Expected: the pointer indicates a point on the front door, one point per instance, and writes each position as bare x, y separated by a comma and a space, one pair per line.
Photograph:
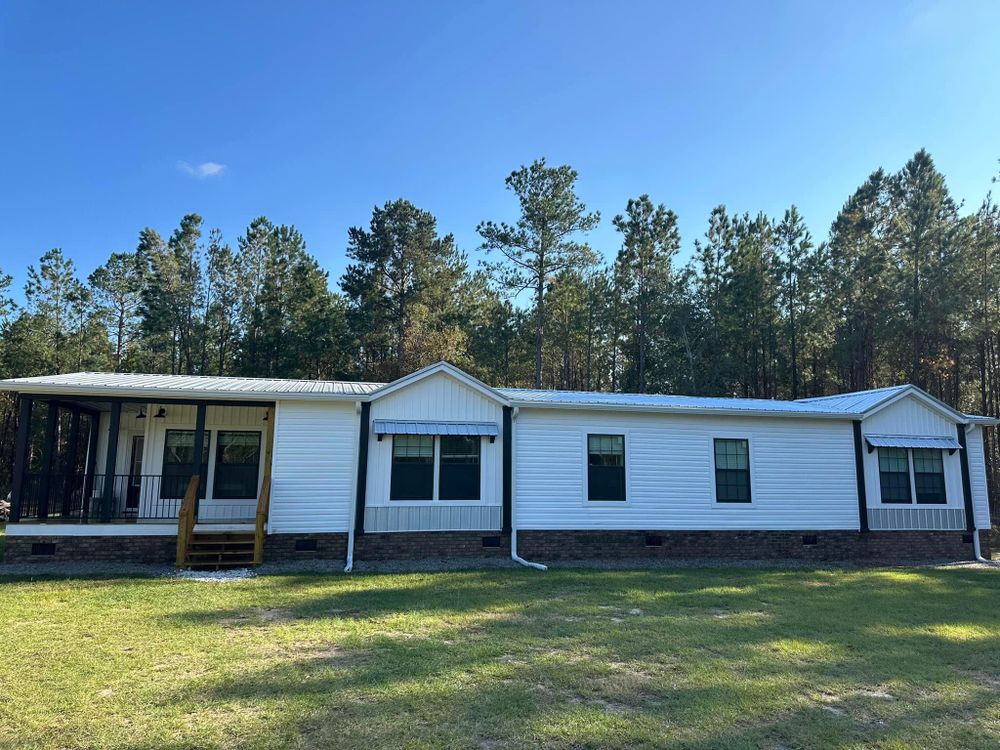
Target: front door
135, 473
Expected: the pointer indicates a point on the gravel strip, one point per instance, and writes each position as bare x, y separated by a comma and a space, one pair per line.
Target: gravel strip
129, 570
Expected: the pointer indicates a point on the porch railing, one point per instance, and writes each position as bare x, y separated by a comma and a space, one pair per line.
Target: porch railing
82, 498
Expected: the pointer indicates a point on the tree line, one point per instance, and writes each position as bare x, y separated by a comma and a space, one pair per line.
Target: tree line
905, 287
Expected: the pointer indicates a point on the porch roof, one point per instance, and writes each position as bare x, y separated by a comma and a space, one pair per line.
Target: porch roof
139, 385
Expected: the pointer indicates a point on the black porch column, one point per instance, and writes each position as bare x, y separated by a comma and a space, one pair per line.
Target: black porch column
69, 482
88, 481
20, 457
199, 448
108, 496
48, 451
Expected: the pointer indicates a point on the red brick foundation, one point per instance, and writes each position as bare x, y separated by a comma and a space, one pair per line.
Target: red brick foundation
286, 547
828, 546
410, 545
873, 547
128, 549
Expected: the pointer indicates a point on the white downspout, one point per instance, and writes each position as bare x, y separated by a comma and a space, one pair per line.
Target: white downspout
513, 502
977, 548
350, 550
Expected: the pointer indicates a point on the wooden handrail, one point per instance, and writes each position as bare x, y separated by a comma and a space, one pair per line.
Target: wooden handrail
186, 519
263, 505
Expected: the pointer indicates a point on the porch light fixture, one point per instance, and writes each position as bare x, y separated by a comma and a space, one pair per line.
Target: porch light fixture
161, 414
141, 414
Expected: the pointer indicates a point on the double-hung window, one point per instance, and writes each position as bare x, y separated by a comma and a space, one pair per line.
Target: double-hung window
179, 465
237, 465
732, 470
412, 468
908, 475
458, 474
606, 467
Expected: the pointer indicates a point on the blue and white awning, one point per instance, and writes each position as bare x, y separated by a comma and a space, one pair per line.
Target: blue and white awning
412, 427
913, 441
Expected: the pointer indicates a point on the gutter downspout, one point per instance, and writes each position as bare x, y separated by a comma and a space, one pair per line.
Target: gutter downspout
350, 550
967, 495
513, 508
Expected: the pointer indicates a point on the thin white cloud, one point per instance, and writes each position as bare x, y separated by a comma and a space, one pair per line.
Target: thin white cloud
201, 171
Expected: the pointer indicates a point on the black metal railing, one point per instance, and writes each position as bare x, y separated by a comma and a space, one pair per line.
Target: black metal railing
81, 498
100, 497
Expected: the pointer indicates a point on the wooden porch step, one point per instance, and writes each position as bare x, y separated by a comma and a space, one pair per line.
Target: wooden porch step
214, 550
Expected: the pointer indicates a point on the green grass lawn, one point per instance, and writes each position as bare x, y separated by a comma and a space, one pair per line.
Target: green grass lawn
692, 658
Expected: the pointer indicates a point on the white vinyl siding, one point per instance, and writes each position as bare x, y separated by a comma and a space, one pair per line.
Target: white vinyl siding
314, 467
908, 416
977, 475
802, 472
438, 398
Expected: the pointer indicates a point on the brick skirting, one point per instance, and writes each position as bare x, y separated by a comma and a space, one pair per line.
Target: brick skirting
429, 545
131, 549
285, 547
826, 546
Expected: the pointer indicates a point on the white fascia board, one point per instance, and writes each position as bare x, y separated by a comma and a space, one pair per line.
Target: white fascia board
645, 409
444, 368
921, 395
92, 529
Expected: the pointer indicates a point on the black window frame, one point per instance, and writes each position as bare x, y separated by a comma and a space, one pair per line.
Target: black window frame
892, 482
173, 482
407, 472
730, 478
607, 480
462, 479
251, 479
927, 494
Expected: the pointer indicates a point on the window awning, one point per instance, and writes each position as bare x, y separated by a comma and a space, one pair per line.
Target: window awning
912, 441
411, 427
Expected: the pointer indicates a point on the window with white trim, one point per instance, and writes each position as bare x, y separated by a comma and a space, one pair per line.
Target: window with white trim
606, 467
732, 470
412, 475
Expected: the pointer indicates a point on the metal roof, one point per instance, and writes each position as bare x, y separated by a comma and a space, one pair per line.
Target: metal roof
179, 386
856, 401
694, 404
912, 441
415, 427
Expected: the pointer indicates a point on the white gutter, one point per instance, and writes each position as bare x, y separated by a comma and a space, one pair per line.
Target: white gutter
513, 502
691, 410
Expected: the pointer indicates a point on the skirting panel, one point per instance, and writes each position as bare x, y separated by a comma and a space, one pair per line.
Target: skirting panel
917, 519
130, 549
873, 547
439, 517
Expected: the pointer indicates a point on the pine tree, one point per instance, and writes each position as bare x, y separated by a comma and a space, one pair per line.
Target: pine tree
117, 288
540, 244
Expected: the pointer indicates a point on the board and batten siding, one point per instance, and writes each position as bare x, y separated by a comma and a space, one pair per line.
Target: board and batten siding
439, 398
313, 467
908, 416
977, 475
802, 472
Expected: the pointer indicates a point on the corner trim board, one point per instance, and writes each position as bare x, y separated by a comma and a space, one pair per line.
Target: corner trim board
859, 468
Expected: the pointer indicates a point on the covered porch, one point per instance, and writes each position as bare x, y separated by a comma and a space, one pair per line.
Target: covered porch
81, 459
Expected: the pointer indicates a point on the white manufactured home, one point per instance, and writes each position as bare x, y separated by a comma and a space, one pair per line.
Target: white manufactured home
225, 471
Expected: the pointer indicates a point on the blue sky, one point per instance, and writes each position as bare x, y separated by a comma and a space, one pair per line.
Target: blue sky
122, 115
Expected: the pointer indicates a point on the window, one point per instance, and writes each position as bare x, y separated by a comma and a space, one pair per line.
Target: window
928, 475
412, 468
894, 466
606, 467
237, 465
178, 463
459, 471
732, 470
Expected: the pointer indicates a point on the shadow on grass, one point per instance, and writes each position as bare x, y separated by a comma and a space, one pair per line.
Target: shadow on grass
688, 658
